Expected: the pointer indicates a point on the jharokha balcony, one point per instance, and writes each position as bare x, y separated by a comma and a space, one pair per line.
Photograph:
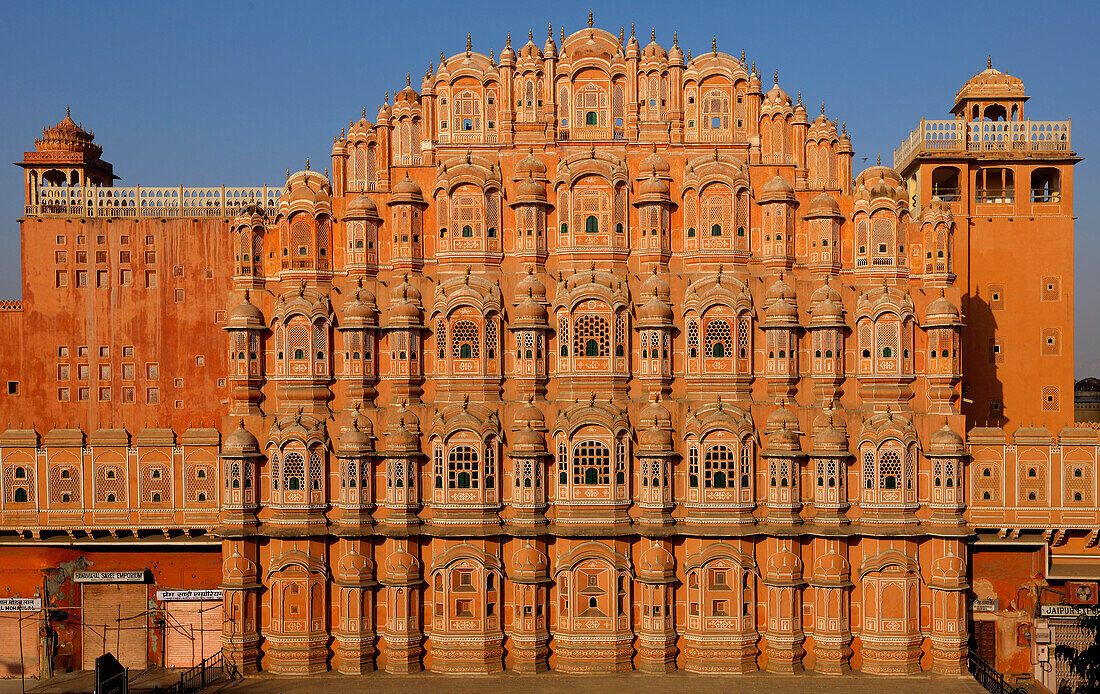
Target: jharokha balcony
960, 136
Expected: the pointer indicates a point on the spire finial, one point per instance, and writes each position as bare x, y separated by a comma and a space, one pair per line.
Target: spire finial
989, 61
509, 41
777, 77
442, 59
742, 57
675, 39
469, 44
799, 97
590, 18
714, 45
652, 34
823, 108
561, 34
632, 30
878, 159
550, 30
621, 35
530, 35
408, 80
689, 56
307, 163
66, 111
288, 174
364, 111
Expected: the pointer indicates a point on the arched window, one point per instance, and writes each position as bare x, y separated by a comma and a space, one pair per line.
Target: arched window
591, 463
719, 464
591, 118
462, 468
717, 338
716, 230
20, 495
293, 471
890, 470
464, 340
591, 225
590, 335
20, 473
467, 231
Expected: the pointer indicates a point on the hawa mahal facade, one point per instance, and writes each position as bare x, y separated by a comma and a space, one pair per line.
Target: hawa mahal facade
590, 356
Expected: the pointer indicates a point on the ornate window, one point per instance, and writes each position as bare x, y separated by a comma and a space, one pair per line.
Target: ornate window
719, 467
463, 468
591, 463
590, 336
718, 339
464, 340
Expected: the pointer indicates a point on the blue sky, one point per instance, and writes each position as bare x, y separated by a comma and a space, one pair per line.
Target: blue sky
234, 93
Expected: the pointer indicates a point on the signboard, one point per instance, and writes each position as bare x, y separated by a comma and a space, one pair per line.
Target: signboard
1067, 611
20, 604
985, 605
174, 595
109, 576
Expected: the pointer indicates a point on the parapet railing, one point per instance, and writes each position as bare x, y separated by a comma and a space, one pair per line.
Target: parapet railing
987, 676
139, 201
1019, 136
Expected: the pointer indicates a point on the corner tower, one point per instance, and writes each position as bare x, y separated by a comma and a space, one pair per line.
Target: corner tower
1008, 182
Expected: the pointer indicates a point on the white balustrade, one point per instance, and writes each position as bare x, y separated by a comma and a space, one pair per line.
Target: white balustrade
1021, 136
139, 201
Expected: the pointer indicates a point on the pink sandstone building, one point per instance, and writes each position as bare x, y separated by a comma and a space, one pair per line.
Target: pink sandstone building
589, 356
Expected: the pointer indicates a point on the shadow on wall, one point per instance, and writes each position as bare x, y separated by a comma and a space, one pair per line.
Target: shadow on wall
983, 353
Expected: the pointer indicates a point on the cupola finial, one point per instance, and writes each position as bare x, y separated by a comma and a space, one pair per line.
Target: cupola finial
590, 19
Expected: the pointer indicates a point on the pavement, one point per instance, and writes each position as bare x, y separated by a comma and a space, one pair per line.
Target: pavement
550, 683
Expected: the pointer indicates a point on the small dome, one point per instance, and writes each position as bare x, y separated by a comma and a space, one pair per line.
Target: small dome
528, 562
240, 443
246, 316
675, 55
527, 439
831, 439
237, 567
823, 205
354, 566
361, 309
530, 165
530, 312
779, 290
783, 440
828, 310
530, 188
401, 440
589, 49
949, 569
653, 187
778, 186
356, 441
777, 97
531, 285
654, 440
402, 567
406, 191
529, 49
942, 312
361, 206
831, 567
781, 311
655, 283
656, 564
531, 415
67, 136
655, 311
784, 565
782, 418
654, 162
653, 50
945, 440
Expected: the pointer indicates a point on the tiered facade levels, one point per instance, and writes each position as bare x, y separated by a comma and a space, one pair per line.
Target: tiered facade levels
591, 358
